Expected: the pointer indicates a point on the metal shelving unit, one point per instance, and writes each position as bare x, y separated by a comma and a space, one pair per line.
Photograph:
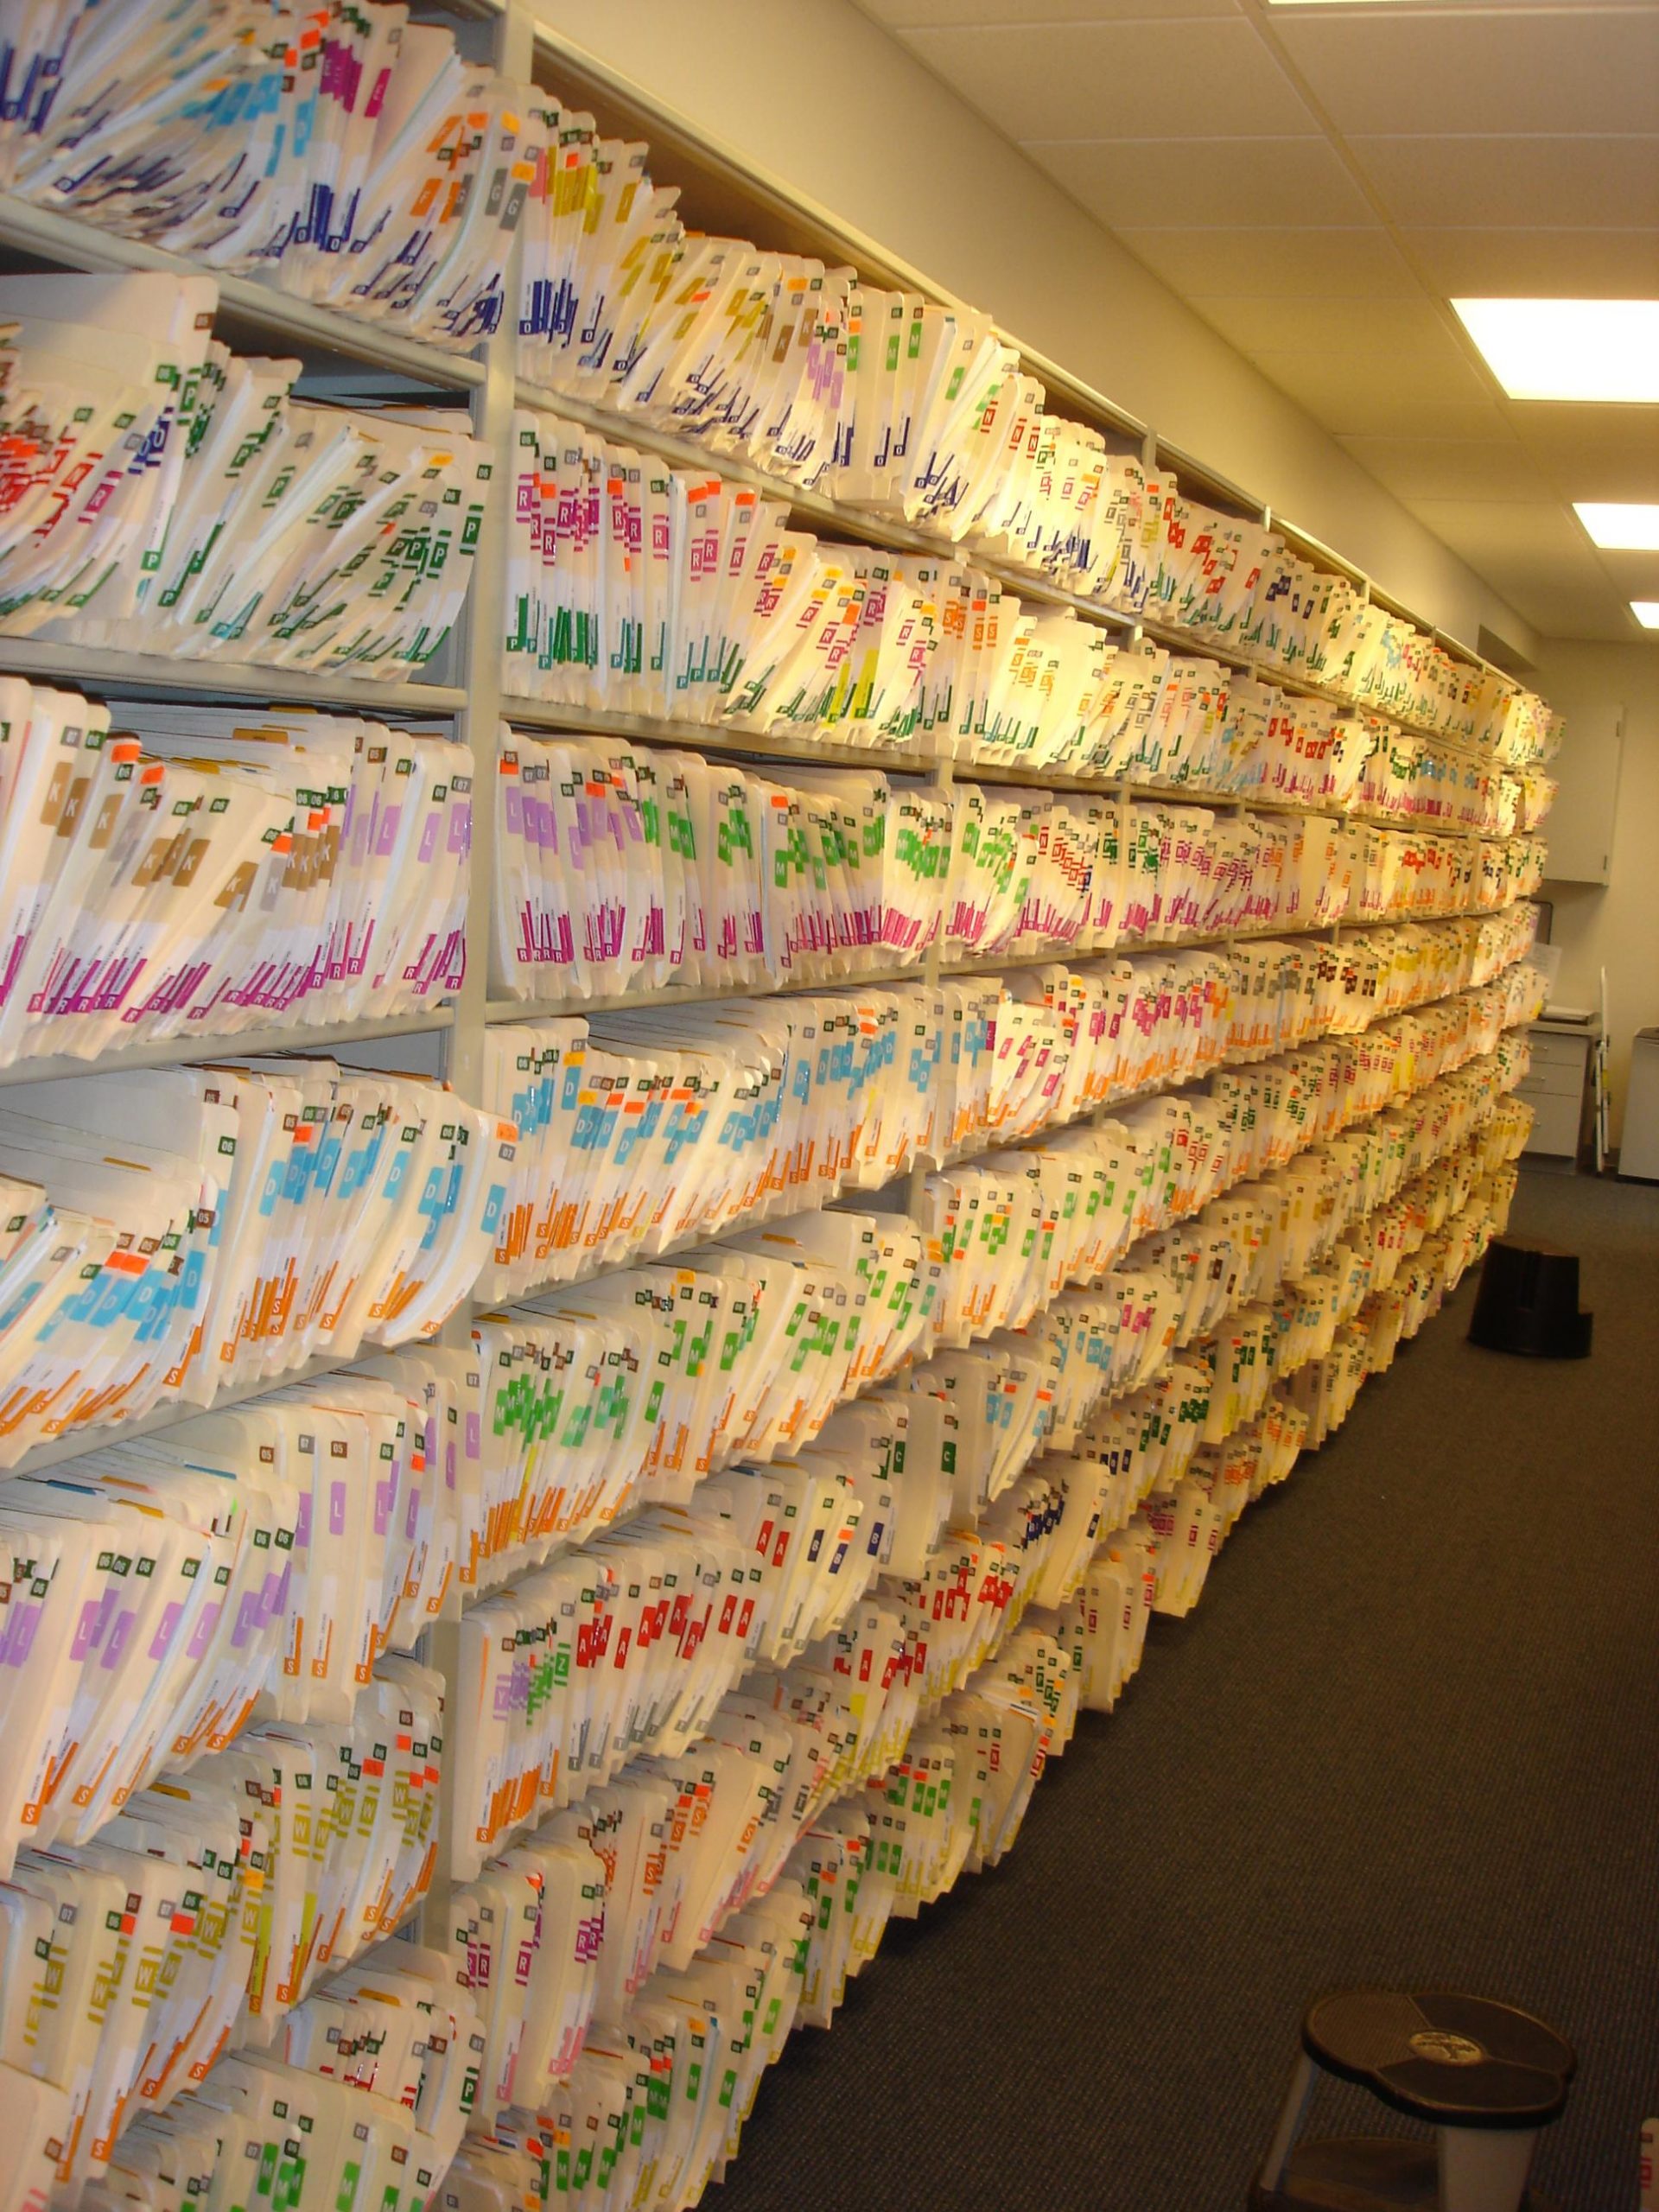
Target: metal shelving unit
473, 702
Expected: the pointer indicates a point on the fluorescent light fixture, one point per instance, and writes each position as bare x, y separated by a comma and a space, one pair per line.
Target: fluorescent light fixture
1646, 612
1620, 526
1568, 349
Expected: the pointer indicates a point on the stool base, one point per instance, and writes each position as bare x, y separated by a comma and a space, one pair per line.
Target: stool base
1364, 2174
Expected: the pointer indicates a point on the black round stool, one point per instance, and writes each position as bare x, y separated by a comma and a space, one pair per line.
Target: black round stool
1485, 2077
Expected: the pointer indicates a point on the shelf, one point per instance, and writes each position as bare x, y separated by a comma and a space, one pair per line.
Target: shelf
536, 715
58, 1449
1195, 941
813, 509
659, 995
560, 1548
685, 1246
1239, 1056
977, 1147
1380, 817
529, 714
1191, 644
1197, 645
551, 717
1058, 779
181, 1051
816, 510
72, 243
127, 675
500, 1010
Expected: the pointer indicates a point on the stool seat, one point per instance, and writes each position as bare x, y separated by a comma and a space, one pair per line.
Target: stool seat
1433, 2054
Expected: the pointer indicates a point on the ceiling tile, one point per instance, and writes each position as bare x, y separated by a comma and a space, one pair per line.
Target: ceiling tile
1394, 416
1592, 453
1118, 80
1535, 556
1547, 264
1349, 264
935, 15
1174, 181
1257, 325
1528, 183
1558, 609
1635, 575
1452, 468
1375, 395
1460, 72
1542, 529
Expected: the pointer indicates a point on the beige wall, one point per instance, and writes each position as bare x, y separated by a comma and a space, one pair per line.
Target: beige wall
816, 93
1615, 927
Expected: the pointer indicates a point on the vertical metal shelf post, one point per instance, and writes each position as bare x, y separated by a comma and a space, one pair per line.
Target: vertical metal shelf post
479, 722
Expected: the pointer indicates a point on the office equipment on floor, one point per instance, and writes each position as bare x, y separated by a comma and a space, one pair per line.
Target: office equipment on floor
1528, 1302
1638, 1152
1562, 1060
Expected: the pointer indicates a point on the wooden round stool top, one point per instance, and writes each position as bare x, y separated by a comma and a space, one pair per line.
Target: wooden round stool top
1436, 2056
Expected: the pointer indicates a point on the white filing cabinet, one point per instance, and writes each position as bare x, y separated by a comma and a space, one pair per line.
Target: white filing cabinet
1639, 1151
1555, 1084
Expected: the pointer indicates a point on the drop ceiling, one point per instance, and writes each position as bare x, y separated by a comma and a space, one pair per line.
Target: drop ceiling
1318, 182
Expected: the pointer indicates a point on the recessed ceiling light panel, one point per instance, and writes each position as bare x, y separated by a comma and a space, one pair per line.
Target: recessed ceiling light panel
1620, 526
1646, 612
1568, 349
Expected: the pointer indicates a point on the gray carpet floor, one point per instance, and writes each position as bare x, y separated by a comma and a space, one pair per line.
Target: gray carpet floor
1410, 1734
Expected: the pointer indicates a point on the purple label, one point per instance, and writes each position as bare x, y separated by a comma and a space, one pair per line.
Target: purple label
163, 1639
202, 1634
118, 1638
107, 1605
20, 1636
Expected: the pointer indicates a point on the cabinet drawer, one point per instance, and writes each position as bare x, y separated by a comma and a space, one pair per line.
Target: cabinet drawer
1551, 1082
1559, 1051
1555, 1129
